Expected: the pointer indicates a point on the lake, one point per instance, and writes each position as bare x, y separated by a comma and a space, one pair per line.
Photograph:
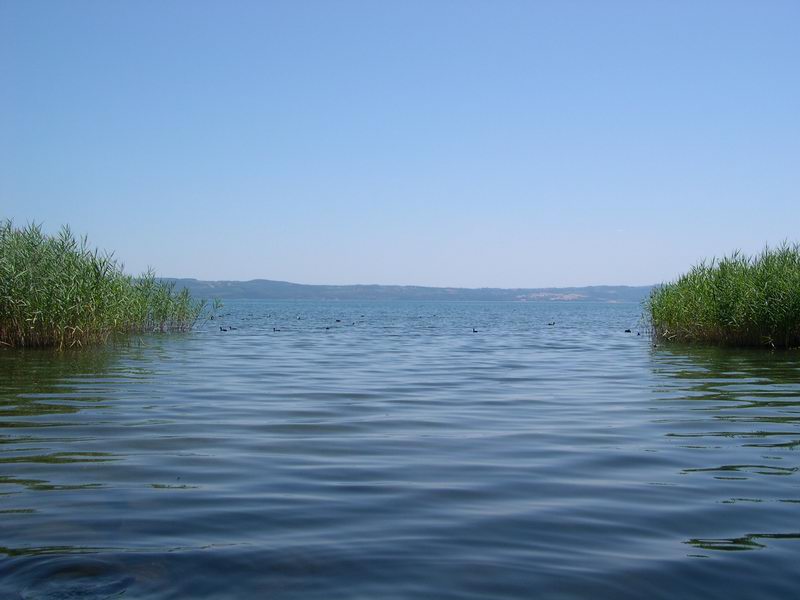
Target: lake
385, 450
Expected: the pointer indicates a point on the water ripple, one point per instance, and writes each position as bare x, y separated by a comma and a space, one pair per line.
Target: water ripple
396, 454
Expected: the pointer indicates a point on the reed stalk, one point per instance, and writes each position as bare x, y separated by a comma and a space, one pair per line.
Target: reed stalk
57, 291
735, 301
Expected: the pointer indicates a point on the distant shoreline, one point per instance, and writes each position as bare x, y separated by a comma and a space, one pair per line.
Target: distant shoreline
264, 289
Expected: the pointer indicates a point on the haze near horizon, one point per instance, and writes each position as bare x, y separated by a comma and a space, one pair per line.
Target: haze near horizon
463, 144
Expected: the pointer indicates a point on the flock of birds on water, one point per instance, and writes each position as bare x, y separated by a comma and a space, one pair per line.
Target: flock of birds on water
227, 328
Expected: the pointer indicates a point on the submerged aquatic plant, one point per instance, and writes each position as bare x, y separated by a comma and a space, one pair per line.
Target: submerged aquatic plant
56, 291
737, 301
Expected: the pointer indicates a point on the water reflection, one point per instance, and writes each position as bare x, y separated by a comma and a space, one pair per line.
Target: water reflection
36, 383
720, 365
751, 541
46, 427
739, 432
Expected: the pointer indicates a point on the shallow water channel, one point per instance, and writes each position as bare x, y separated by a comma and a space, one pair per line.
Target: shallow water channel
384, 450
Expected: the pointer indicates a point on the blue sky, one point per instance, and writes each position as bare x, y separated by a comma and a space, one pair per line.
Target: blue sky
491, 143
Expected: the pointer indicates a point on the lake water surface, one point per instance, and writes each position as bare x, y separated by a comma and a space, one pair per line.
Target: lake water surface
394, 453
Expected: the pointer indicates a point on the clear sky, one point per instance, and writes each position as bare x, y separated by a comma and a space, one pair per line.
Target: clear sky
466, 143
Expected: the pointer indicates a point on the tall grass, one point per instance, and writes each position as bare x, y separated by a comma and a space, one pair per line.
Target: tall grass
737, 301
56, 291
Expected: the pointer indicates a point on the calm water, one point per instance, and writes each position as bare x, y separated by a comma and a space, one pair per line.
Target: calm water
398, 455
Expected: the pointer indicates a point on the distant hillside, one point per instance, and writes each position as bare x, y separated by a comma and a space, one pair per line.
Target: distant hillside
282, 290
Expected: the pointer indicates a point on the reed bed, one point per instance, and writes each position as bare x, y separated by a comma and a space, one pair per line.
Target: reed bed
735, 301
56, 291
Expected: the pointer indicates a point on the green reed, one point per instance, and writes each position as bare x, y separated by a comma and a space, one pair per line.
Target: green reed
56, 291
736, 301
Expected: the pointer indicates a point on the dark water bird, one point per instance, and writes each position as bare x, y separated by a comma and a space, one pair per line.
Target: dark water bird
552, 323
223, 329
298, 317
627, 331
327, 328
275, 329
232, 328
338, 320
474, 330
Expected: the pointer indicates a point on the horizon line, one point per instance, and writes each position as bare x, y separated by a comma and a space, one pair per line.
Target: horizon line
402, 285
